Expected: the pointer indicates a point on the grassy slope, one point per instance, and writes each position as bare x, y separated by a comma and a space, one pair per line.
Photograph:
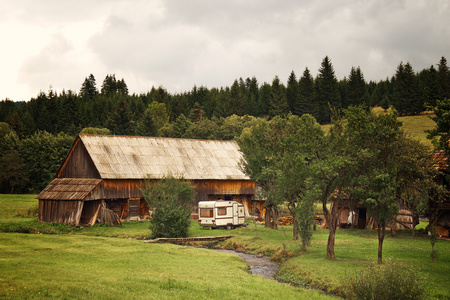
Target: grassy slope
85, 264
414, 126
88, 264
80, 267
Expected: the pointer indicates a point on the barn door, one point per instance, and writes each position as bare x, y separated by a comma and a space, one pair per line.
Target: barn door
133, 209
235, 214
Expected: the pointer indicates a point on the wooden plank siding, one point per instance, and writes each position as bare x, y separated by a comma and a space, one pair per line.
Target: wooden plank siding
78, 163
60, 211
114, 169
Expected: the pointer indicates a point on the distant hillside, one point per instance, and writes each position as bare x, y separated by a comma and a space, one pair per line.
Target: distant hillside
415, 126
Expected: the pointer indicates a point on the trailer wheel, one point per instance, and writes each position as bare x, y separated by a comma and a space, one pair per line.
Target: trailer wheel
228, 227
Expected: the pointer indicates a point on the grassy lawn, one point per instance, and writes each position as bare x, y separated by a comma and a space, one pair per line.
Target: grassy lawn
111, 262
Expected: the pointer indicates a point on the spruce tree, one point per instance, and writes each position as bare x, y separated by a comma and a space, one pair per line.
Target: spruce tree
357, 89
327, 92
444, 79
292, 95
278, 105
406, 98
307, 98
89, 88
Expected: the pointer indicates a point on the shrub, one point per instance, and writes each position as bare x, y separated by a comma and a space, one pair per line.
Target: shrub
390, 280
170, 198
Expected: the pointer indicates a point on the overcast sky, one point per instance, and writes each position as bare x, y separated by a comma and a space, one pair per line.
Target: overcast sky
181, 43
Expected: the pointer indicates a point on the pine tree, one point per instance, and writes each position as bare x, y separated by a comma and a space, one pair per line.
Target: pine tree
406, 98
89, 88
357, 88
278, 105
307, 98
251, 103
264, 99
292, 94
327, 92
236, 100
444, 79
109, 85
120, 121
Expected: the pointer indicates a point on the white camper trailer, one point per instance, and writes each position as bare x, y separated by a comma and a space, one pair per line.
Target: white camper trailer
220, 213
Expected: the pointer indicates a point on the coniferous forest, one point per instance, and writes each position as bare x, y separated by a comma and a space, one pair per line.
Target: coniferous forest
35, 135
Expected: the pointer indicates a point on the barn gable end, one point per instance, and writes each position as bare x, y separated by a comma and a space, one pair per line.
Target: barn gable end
78, 163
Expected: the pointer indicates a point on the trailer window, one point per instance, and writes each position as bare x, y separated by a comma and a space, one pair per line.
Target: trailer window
221, 211
206, 212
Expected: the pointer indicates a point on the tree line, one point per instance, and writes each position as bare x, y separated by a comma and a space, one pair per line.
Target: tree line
114, 108
52, 120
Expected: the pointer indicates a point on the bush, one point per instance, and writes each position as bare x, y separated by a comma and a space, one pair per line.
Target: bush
390, 280
170, 198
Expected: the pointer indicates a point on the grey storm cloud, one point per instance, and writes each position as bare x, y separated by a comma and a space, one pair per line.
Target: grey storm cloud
178, 44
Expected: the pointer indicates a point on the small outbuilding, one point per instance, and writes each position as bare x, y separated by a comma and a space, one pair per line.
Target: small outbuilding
102, 176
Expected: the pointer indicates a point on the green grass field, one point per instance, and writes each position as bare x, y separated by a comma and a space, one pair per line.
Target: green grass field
113, 262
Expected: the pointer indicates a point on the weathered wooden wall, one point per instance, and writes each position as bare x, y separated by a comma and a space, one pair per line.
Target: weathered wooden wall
78, 164
57, 211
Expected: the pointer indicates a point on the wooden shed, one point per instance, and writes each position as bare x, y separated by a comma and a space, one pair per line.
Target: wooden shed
354, 215
103, 174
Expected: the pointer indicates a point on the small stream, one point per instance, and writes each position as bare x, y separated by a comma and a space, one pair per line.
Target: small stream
261, 266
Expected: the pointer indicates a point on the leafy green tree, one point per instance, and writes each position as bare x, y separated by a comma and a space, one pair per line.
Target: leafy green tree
441, 134
13, 172
392, 168
327, 93
43, 154
5, 129
167, 130
332, 174
181, 125
170, 199
93, 130
258, 146
205, 129
159, 114
297, 139
276, 156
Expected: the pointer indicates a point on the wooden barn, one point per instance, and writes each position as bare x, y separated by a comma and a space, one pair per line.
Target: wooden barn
101, 177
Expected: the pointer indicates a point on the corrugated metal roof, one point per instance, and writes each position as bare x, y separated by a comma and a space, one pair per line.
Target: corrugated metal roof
133, 157
68, 189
